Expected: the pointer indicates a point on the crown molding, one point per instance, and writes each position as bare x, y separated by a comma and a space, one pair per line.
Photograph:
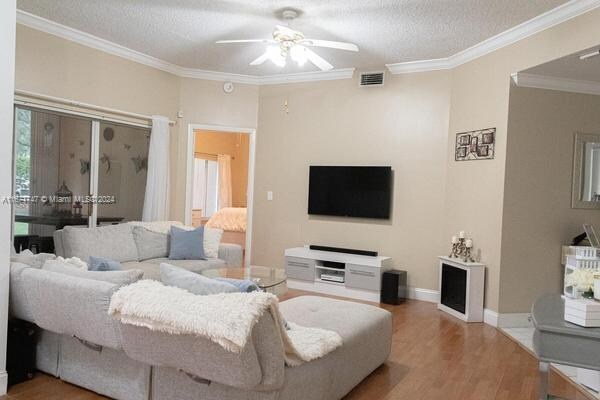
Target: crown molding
528, 28
553, 17
216, 76
77, 36
344, 73
408, 67
553, 83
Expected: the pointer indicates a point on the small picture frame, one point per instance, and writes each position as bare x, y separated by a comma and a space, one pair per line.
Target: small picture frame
464, 140
475, 145
461, 152
482, 151
487, 138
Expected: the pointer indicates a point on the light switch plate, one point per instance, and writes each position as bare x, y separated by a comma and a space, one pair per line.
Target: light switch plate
269, 195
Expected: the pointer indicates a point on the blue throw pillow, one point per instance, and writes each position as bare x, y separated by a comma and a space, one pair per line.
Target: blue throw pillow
187, 245
103, 264
194, 283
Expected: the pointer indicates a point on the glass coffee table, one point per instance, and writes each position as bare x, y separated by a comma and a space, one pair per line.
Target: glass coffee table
268, 279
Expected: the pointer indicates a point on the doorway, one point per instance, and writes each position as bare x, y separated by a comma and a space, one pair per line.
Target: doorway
220, 182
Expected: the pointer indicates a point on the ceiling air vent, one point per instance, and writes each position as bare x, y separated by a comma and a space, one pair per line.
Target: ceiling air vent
371, 79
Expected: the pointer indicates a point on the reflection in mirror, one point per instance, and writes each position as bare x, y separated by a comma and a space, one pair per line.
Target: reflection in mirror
591, 172
586, 171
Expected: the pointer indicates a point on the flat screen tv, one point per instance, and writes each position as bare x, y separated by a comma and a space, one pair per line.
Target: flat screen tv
362, 192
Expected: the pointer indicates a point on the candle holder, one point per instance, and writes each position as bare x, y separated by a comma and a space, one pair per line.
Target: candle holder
454, 251
467, 255
462, 248
458, 248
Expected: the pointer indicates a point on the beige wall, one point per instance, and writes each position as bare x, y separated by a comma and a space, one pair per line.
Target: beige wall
537, 196
237, 146
205, 102
402, 124
54, 66
480, 96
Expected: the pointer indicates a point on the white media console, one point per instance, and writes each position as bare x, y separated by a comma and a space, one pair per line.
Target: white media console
333, 273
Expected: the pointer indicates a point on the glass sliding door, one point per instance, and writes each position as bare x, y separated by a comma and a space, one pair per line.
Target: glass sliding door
52, 160
74, 171
122, 169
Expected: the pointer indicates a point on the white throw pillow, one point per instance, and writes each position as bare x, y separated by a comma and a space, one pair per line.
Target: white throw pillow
212, 241
31, 259
74, 261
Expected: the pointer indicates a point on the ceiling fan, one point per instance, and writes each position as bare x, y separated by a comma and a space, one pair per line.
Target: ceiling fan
287, 41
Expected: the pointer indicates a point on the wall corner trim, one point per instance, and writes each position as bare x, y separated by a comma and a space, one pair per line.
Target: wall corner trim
522, 79
490, 317
528, 28
3, 382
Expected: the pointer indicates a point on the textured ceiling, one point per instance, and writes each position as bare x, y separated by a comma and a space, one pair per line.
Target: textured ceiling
571, 67
183, 32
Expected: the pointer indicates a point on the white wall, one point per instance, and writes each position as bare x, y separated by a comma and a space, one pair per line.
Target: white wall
7, 81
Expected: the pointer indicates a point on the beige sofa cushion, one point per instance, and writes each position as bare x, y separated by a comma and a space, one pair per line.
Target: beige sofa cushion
151, 269
113, 241
367, 334
150, 244
73, 306
19, 306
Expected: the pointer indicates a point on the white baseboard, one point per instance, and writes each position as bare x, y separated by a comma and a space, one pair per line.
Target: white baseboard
506, 320
514, 320
490, 317
3, 382
432, 296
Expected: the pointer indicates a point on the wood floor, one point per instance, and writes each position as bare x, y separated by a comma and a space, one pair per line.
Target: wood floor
434, 357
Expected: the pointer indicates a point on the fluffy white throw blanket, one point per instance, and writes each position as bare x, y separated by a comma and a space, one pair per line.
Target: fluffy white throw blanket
226, 319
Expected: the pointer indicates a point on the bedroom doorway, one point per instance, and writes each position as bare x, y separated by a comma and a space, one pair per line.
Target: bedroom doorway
220, 180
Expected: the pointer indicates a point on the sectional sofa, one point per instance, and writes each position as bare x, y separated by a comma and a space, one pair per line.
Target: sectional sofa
136, 248
81, 344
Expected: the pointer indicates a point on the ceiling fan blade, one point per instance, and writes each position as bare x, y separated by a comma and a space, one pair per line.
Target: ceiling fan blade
318, 60
245, 41
261, 59
330, 44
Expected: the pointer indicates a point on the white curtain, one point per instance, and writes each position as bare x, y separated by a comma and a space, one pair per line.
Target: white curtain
224, 162
156, 201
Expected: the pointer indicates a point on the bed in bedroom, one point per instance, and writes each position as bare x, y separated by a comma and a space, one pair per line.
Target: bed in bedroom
232, 220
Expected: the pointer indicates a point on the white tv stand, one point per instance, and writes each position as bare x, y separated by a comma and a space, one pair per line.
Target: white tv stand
361, 274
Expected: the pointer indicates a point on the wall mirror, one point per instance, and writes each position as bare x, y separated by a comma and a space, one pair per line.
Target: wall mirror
586, 171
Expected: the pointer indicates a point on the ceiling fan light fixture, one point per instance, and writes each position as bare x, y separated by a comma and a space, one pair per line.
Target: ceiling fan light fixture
298, 54
274, 54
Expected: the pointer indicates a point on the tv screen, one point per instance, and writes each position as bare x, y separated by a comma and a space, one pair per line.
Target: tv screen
363, 192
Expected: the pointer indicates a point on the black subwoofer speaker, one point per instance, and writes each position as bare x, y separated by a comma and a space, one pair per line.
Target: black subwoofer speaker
393, 287
21, 352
